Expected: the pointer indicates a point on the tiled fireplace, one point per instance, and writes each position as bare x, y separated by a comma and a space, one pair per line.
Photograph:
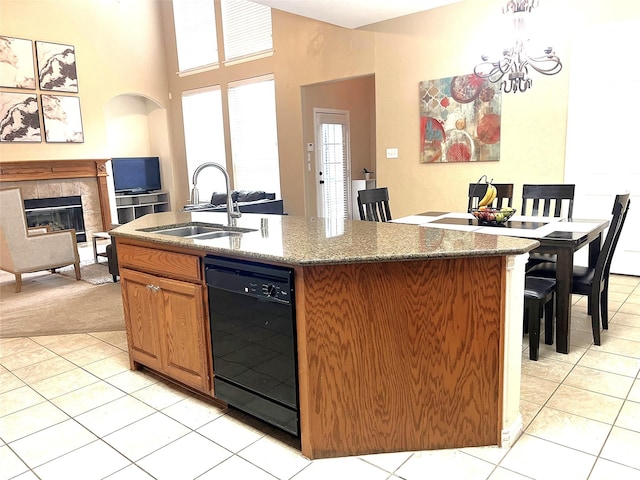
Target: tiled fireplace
46, 179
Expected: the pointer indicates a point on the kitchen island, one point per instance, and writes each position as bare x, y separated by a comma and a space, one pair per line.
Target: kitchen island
407, 338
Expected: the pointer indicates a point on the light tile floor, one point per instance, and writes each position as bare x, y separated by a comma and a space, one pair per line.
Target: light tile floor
70, 408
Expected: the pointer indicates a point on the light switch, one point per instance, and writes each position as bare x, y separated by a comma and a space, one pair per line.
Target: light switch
392, 153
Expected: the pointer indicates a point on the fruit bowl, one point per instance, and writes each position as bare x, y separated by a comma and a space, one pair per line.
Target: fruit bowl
492, 216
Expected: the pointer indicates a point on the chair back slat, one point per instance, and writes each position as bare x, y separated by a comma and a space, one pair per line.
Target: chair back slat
603, 264
373, 205
542, 197
504, 198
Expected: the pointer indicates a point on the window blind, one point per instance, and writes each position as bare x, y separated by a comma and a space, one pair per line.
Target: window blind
204, 138
254, 135
246, 28
335, 171
195, 25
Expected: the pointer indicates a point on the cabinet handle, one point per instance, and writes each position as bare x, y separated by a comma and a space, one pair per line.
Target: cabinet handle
153, 288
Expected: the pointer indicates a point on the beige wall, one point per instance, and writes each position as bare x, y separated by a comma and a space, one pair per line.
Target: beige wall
305, 52
447, 42
309, 52
119, 51
444, 42
357, 96
125, 47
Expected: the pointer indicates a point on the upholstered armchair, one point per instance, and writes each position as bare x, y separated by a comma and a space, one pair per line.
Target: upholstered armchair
25, 250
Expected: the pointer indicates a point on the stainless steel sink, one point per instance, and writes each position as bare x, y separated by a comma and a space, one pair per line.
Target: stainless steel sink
187, 231
200, 231
205, 236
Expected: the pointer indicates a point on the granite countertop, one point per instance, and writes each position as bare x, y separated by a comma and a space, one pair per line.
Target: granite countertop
297, 240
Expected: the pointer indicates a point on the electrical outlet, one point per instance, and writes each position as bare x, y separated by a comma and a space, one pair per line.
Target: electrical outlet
392, 153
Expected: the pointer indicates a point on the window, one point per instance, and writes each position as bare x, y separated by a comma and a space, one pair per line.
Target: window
195, 24
248, 125
246, 28
332, 139
204, 138
254, 140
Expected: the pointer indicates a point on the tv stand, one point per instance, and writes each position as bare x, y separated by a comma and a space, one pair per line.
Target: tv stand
132, 205
138, 192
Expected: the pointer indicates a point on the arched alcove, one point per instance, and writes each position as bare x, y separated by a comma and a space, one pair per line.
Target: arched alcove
137, 126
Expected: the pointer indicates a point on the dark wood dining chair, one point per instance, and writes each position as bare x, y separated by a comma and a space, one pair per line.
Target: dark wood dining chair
594, 281
549, 200
504, 198
539, 294
538, 199
373, 204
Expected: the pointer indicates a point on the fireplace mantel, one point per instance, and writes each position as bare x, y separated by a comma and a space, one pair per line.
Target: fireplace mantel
60, 169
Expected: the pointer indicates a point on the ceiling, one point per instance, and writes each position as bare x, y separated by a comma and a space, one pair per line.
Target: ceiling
354, 13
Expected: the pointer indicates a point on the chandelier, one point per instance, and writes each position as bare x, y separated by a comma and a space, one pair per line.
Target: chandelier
516, 61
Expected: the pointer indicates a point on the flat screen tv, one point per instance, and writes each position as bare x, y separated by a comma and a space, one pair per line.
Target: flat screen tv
136, 174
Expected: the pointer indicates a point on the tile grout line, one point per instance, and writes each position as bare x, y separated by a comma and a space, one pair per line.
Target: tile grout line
495, 465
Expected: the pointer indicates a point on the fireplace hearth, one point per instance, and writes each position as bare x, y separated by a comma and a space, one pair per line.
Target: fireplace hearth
59, 213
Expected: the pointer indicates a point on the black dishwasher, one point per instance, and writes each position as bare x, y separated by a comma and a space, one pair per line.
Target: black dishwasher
253, 338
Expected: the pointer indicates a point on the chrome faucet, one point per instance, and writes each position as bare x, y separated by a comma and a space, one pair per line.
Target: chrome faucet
232, 213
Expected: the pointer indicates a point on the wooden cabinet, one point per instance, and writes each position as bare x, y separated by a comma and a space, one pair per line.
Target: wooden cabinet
165, 318
419, 369
141, 317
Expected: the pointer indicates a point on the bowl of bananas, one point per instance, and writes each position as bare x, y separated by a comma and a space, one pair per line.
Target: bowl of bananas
490, 216
485, 213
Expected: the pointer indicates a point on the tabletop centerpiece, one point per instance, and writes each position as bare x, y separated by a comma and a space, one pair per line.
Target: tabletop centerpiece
485, 212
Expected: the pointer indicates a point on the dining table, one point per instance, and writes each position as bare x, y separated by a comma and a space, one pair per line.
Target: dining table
561, 237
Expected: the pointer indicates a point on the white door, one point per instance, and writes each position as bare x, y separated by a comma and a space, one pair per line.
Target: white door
602, 156
333, 175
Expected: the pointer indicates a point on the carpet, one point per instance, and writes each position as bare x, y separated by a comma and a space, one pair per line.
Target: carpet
57, 304
93, 273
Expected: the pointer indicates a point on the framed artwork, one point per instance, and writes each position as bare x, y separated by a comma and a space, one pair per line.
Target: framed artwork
19, 118
460, 120
57, 67
62, 119
17, 69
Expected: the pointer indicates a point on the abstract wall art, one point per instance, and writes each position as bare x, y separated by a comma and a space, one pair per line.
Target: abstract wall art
19, 118
459, 120
57, 67
62, 119
17, 69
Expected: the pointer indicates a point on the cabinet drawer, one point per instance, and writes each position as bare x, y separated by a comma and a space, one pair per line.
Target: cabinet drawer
161, 262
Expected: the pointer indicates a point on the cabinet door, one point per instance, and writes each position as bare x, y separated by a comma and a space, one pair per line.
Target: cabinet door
143, 317
185, 349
